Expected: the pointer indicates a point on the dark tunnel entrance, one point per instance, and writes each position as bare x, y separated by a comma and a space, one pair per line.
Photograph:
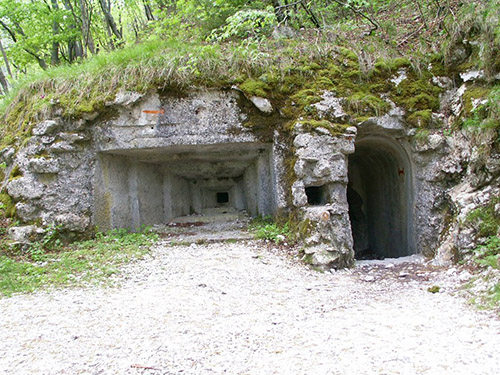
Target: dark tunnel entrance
380, 199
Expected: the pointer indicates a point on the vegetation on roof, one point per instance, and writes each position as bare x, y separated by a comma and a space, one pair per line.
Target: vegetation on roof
60, 60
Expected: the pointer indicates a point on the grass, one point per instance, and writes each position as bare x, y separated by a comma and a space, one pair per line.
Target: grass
264, 228
79, 264
485, 260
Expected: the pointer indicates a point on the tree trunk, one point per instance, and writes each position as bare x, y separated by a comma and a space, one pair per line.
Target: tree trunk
3, 82
148, 11
106, 10
5, 59
88, 41
54, 51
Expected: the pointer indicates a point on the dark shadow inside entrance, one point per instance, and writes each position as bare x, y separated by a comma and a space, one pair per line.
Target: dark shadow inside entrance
379, 194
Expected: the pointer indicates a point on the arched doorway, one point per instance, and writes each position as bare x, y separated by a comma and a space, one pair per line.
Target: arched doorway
380, 197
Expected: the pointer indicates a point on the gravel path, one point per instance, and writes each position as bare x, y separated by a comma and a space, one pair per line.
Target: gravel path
241, 309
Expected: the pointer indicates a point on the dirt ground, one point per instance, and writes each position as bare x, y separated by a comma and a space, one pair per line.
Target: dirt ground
243, 308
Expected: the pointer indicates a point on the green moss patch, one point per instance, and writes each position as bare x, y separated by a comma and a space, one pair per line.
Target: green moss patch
421, 119
367, 104
7, 205
15, 173
253, 87
474, 93
333, 128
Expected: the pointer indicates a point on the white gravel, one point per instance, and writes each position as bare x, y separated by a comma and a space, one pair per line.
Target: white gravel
240, 309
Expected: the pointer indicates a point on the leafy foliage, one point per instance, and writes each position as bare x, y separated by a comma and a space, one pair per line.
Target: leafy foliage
266, 229
248, 23
486, 218
489, 253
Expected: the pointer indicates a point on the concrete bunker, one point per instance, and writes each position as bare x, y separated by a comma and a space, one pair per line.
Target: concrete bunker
380, 198
138, 187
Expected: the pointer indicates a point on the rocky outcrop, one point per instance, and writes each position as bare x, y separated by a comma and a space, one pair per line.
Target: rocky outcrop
151, 157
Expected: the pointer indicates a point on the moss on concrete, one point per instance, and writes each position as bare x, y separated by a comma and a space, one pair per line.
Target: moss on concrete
333, 128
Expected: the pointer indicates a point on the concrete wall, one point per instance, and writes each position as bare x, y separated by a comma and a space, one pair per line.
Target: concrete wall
128, 194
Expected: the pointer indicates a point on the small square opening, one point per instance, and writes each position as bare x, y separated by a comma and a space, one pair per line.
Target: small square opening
316, 195
222, 197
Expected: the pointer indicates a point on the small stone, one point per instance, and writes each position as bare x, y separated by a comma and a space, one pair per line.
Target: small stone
434, 289
25, 234
126, 98
263, 104
472, 75
451, 271
400, 77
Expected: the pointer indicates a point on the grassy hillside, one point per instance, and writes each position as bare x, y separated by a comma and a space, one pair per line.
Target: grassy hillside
348, 56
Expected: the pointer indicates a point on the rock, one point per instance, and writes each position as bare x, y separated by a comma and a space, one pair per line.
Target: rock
46, 127
68, 222
435, 141
302, 140
400, 77
497, 209
25, 188
27, 212
73, 137
387, 123
472, 75
126, 98
44, 165
62, 146
331, 108
351, 130
443, 82
7, 155
298, 194
455, 100
263, 104
46, 139
25, 234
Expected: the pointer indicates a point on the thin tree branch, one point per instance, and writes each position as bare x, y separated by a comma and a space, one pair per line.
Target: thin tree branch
359, 13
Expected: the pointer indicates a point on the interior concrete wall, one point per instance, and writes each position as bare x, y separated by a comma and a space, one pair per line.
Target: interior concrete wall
176, 196
380, 173
134, 189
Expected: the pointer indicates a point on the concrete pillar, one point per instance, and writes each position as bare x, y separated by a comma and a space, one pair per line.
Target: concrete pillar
250, 188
